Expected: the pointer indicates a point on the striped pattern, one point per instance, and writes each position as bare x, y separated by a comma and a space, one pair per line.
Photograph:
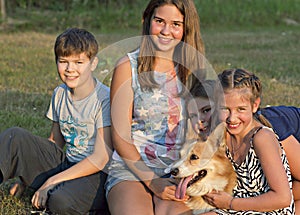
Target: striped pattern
252, 181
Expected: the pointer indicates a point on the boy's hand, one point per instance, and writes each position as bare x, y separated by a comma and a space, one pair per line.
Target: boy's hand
40, 197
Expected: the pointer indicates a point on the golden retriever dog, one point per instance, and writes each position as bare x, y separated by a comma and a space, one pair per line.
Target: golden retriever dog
203, 167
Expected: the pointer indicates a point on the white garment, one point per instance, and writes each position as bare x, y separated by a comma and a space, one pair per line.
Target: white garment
79, 120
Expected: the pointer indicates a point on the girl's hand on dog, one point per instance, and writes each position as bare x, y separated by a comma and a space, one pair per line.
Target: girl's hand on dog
218, 199
164, 188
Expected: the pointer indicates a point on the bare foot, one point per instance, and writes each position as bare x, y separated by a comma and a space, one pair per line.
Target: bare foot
17, 189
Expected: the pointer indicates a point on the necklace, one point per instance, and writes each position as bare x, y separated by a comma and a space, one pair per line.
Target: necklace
234, 150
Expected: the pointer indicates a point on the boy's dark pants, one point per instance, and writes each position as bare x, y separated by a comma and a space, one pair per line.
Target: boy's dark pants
34, 159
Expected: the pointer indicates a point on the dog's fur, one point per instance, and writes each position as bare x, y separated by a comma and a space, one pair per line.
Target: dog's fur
203, 167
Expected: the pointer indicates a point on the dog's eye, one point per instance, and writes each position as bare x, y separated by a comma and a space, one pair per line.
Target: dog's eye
194, 157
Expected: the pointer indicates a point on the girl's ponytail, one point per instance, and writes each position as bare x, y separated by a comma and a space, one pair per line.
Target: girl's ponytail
263, 120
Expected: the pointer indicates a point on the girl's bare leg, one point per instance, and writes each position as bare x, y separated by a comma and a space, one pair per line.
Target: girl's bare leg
166, 207
296, 193
130, 197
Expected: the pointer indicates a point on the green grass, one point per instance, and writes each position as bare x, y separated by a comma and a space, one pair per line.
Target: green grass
248, 34
10, 205
271, 53
247, 13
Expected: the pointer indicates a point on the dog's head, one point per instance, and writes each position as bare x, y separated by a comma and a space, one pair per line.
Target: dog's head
203, 165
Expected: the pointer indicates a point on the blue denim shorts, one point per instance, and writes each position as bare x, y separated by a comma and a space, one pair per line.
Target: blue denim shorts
118, 172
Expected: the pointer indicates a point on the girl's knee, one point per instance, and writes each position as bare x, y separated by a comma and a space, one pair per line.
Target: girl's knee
165, 207
130, 197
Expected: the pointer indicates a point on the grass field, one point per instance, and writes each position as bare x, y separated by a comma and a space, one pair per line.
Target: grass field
28, 73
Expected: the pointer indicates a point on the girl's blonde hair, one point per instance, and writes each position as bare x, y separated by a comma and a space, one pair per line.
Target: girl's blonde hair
189, 53
239, 79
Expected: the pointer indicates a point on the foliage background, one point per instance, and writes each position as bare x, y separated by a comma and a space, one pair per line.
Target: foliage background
109, 16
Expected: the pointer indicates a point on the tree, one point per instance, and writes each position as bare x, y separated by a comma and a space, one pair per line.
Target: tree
3, 10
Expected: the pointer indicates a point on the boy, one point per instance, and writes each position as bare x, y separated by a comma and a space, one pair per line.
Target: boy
200, 106
66, 181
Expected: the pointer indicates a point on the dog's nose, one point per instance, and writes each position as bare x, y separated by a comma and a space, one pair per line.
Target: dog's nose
175, 171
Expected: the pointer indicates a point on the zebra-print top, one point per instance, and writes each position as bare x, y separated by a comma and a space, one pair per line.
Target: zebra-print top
252, 181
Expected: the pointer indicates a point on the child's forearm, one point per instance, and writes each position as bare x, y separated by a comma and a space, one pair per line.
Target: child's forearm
81, 169
266, 202
56, 136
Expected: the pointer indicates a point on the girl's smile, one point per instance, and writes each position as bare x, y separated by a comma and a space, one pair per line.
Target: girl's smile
237, 111
167, 27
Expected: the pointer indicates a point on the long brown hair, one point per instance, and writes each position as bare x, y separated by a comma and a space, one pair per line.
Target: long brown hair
188, 54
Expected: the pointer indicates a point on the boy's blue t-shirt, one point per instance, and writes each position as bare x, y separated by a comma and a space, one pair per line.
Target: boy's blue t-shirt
285, 120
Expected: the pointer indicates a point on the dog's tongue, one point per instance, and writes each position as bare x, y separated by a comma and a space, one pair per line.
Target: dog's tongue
182, 186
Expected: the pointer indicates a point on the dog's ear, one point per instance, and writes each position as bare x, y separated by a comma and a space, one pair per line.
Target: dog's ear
218, 134
216, 139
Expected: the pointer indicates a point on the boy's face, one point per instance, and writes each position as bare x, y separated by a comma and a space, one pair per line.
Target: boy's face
199, 111
76, 70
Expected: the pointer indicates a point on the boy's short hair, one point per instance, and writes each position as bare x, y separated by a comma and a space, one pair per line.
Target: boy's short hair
75, 41
204, 89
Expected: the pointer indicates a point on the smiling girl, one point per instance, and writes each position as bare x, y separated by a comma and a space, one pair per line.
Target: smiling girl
264, 178
148, 110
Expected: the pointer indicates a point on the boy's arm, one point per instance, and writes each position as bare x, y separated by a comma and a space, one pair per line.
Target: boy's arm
292, 149
90, 165
87, 166
56, 136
